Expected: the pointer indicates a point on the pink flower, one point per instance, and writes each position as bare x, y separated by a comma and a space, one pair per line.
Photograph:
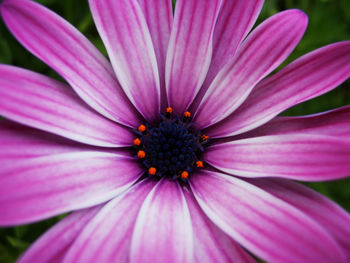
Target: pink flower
162, 206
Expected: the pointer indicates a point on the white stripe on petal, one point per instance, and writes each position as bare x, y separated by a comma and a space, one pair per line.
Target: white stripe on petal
190, 50
268, 227
75, 58
124, 31
163, 227
262, 52
37, 188
308, 77
306, 157
43, 103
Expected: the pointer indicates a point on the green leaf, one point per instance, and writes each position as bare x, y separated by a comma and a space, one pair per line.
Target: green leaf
5, 53
17, 243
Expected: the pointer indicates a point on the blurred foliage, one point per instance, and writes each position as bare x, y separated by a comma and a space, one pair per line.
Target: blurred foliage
14, 241
329, 21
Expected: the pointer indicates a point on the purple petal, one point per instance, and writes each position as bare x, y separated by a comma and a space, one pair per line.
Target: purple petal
124, 31
308, 77
235, 20
333, 123
111, 230
327, 213
66, 50
20, 142
268, 227
159, 18
262, 52
36, 188
306, 157
210, 243
46, 104
163, 227
190, 50
54, 244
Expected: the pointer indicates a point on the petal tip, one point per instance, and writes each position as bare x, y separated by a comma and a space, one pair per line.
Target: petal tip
300, 15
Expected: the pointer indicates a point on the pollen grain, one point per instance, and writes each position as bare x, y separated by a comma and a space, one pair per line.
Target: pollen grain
184, 175
137, 142
187, 114
141, 154
169, 110
141, 128
199, 164
204, 137
152, 171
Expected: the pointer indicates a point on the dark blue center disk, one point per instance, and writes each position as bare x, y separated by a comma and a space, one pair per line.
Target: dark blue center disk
171, 149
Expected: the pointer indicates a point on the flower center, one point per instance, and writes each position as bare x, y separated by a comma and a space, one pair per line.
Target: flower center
172, 148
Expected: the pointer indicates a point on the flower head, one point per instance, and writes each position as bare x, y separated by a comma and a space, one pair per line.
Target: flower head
172, 151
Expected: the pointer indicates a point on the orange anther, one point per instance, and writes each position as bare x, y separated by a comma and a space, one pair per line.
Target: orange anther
184, 175
169, 110
205, 137
187, 114
152, 171
199, 164
142, 128
141, 154
137, 142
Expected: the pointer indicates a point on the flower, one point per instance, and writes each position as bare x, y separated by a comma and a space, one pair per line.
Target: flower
172, 152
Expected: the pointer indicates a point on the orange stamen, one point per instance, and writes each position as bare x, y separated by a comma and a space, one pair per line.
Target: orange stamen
137, 142
142, 128
141, 154
205, 137
187, 114
184, 175
169, 110
152, 171
199, 164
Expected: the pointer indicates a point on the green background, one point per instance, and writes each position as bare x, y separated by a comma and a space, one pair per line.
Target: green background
329, 21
